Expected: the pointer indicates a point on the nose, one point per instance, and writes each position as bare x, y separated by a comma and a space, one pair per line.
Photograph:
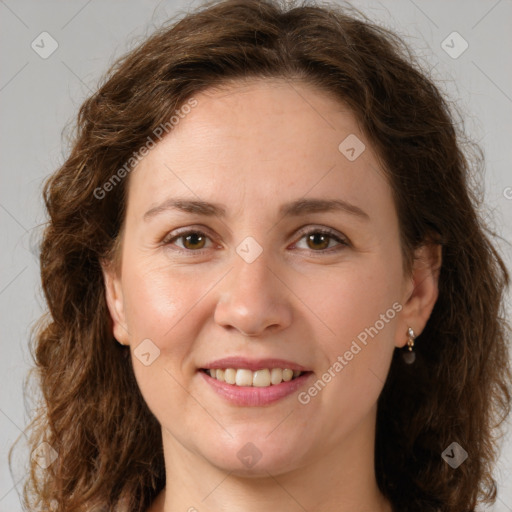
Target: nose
253, 299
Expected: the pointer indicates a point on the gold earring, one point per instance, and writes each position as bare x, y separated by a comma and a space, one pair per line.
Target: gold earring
409, 355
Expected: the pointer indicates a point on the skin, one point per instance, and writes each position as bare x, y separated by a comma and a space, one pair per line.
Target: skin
253, 146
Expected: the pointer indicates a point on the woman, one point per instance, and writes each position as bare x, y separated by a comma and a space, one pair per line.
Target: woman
267, 281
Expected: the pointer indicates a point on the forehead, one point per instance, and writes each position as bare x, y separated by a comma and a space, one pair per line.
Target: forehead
256, 141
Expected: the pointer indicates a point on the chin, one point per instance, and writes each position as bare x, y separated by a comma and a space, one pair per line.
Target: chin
255, 459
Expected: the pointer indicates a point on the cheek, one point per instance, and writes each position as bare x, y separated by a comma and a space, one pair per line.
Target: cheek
349, 300
158, 305
160, 308
154, 299
359, 308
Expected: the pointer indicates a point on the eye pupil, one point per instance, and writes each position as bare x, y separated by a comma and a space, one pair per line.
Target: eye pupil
312, 238
194, 236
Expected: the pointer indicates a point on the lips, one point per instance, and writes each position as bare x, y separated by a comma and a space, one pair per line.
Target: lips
254, 382
251, 396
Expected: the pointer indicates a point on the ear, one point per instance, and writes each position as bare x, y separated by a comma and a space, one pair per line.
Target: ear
420, 291
115, 302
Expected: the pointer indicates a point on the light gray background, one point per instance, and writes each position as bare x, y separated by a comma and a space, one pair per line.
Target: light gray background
38, 97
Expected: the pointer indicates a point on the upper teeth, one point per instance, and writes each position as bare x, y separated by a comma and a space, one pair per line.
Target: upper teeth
259, 378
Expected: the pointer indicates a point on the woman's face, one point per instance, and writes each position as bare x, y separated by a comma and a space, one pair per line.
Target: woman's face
259, 280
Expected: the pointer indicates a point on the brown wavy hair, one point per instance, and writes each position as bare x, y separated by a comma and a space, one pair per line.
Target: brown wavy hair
109, 444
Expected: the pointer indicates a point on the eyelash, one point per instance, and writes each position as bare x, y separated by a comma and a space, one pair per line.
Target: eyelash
322, 231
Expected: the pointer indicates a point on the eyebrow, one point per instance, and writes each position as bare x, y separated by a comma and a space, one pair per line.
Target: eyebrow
292, 209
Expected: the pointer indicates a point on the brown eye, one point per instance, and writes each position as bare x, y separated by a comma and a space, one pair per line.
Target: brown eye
192, 241
319, 240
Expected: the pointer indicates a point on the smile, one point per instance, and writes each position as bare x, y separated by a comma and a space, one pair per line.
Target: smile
246, 394
259, 378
